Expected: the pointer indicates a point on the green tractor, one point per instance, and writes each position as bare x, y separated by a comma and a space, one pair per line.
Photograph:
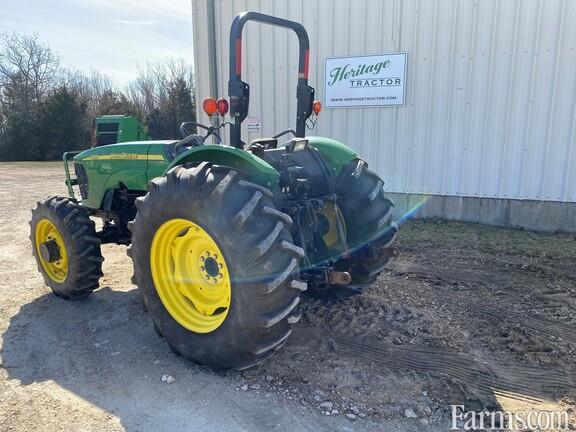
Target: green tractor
224, 239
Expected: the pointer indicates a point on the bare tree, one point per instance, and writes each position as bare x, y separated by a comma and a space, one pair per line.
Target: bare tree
28, 71
144, 91
164, 96
93, 88
27, 62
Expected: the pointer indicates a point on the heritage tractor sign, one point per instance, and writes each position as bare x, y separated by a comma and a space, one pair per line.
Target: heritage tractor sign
376, 80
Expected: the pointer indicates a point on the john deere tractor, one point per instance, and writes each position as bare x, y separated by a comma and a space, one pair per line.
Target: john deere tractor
224, 239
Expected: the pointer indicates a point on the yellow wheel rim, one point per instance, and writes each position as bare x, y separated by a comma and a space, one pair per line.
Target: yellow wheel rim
333, 214
55, 267
190, 275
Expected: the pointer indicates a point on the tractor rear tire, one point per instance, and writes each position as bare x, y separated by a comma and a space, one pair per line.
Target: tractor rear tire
255, 252
66, 247
368, 217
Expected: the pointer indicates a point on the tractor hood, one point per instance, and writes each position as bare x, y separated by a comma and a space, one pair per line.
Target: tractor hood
130, 164
128, 151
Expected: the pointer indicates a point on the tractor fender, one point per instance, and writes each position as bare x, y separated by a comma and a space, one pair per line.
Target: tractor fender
337, 154
258, 170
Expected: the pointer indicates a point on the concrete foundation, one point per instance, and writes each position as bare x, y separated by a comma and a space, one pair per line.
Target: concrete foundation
548, 216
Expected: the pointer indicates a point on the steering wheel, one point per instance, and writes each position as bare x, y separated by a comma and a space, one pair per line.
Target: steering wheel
211, 130
194, 140
188, 142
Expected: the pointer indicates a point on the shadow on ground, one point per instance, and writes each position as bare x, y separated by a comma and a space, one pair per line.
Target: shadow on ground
104, 349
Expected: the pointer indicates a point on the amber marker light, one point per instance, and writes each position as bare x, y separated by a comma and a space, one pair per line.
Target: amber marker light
209, 106
316, 107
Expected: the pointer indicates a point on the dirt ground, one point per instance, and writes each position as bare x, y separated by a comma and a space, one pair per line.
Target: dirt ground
468, 314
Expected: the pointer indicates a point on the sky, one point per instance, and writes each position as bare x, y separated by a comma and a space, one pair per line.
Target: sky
112, 36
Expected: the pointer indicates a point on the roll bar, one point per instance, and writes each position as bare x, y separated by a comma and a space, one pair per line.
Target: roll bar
239, 91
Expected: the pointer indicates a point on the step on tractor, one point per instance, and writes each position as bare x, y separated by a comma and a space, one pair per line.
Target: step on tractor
224, 239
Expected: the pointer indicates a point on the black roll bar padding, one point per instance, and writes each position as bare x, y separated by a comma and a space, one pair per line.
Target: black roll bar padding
239, 91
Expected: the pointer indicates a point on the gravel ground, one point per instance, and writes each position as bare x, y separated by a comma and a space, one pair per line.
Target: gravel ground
467, 314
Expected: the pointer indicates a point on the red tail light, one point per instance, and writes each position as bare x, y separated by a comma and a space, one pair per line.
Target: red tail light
222, 105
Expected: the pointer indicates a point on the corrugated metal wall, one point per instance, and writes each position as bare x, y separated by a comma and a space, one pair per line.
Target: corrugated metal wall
491, 88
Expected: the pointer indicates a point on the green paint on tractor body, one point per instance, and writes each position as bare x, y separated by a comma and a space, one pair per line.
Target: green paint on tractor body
112, 129
337, 154
259, 171
133, 164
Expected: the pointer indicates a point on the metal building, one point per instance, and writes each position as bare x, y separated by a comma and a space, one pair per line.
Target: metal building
488, 126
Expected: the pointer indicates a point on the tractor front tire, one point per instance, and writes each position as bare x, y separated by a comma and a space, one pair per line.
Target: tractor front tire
66, 248
216, 265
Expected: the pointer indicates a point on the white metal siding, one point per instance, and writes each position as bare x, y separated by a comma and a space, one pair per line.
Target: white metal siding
491, 88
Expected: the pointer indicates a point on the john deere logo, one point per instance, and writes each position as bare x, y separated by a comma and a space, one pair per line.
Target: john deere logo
128, 156
125, 156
